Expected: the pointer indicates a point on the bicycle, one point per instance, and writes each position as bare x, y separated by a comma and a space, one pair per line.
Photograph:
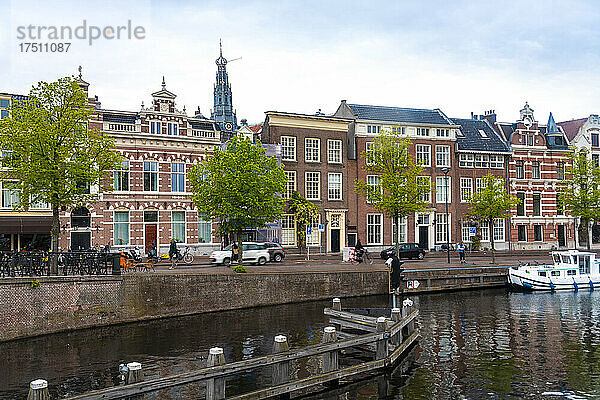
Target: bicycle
361, 256
187, 257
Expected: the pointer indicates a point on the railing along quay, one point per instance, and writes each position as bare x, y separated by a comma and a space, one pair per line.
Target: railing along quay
37, 263
386, 337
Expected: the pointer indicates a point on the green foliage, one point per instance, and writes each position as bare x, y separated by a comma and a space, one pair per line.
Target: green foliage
476, 243
34, 284
305, 214
240, 269
580, 191
49, 150
400, 189
239, 186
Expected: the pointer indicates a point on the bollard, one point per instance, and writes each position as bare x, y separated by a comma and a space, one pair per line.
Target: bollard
38, 390
407, 307
397, 338
281, 371
215, 387
337, 304
330, 359
381, 345
134, 374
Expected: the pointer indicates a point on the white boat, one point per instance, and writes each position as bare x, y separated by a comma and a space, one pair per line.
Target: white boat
571, 270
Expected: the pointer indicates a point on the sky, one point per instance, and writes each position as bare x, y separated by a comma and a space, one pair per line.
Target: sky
300, 56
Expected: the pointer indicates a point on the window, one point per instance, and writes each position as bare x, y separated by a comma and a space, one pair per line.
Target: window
485, 233
150, 176
499, 230
541, 273
172, 128
442, 189
560, 171
38, 204
312, 149
530, 140
369, 151
521, 205
535, 170
441, 227
313, 185
466, 189
442, 132
483, 134
537, 233
373, 182
560, 210
121, 177
402, 233
466, 160
4, 107
401, 130
426, 181
596, 160
522, 233
178, 226
334, 186
479, 182
314, 239
288, 148
537, 204
374, 229
334, 151
497, 162
81, 218
571, 272
177, 177
151, 216
10, 195
595, 140
466, 231
373, 128
288, 230
155, 128
482, 161
121, 228
290, 186
422, 131
442, 156
423, 154
520, 170
204, 229
555, 273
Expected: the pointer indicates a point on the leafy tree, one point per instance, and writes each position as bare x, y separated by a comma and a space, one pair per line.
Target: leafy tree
305, 213
51, 153
399, 190
491, 202
239, 186
580, 191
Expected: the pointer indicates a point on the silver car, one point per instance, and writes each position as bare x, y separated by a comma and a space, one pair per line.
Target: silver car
251, 251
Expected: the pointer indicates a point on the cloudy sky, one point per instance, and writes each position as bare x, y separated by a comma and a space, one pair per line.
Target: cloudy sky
299, 56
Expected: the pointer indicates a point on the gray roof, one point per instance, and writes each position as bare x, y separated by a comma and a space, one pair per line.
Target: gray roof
471, 138
119, 118
202, 125
397, 114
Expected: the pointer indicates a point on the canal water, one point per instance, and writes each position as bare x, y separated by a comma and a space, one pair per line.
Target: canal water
474, 345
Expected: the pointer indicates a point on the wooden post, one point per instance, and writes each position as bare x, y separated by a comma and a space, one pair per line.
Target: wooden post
135, 373
381, 345
38, 390
337, 304
407, 306
330, 359
281, 371
215, 387
397, 338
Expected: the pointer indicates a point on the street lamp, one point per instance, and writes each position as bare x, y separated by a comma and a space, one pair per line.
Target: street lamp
445, 171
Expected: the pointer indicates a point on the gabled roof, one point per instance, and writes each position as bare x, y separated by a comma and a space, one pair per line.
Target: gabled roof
256, 128
472, 139
571, 128
398, 114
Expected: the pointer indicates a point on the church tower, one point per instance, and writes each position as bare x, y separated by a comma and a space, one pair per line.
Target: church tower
223, 113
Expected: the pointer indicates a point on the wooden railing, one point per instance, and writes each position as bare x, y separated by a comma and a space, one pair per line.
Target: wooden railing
388, 337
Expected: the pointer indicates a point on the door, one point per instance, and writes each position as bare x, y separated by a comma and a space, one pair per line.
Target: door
351, 239
150, 237
561, 236
424, 237
335, 240
81, 241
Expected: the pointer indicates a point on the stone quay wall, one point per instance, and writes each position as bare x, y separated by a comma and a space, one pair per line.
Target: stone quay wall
38, 306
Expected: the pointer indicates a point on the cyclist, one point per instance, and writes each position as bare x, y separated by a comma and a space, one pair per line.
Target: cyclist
360, 251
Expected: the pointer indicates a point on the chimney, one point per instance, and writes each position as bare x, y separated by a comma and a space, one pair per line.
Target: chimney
244, 122
490, 116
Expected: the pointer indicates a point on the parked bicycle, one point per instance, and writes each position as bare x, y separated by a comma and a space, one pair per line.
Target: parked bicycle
360, 256
187, 256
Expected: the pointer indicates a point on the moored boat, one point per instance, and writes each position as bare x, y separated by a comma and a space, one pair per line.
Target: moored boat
571, 270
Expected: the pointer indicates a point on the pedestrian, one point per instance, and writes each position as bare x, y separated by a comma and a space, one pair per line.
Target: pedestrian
461, 252
173, 253
235, 252
394, 263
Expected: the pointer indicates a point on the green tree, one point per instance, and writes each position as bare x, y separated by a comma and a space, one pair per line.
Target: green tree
51, 154
240, 187
491, 202
399, 189
305, 213
580, 191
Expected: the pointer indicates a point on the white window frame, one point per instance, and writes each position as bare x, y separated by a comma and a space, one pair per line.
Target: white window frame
368, 149
179, 223
150, 171
290, 184
312, 148
496, 161
466, 160
403, 230
12, 195
442, 156
288, 145
440, 222
466, 186
427, 196
373, 181
310, 194
175, 175
172, 128
374, 229
440, 195
466, 231
314, 239
334, 151
334, 186
442, 132
499, 230
156, 127
202, 224
117, 174
288, 230
127, 223
423, 132
423, 152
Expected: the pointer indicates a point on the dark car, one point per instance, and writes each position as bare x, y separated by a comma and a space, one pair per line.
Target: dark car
406, 250
276, 252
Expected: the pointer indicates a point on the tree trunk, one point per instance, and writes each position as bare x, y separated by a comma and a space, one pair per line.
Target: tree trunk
240, 247
54, 234
491, 229
397, 238
589, 233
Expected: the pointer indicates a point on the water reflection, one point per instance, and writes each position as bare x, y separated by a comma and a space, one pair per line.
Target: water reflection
475, 345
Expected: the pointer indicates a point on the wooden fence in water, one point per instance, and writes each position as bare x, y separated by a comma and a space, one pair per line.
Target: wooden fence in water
387, 336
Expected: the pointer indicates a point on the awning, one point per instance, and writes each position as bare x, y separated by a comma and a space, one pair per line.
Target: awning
25, 224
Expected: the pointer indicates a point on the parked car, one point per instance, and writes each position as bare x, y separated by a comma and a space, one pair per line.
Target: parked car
406, 250
276, 252
251, 252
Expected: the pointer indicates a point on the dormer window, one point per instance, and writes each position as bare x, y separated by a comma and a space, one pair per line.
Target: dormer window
483, 134
530, 140
595, 140
155, 128
172, 129
443, 132
373, 128
422, 131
